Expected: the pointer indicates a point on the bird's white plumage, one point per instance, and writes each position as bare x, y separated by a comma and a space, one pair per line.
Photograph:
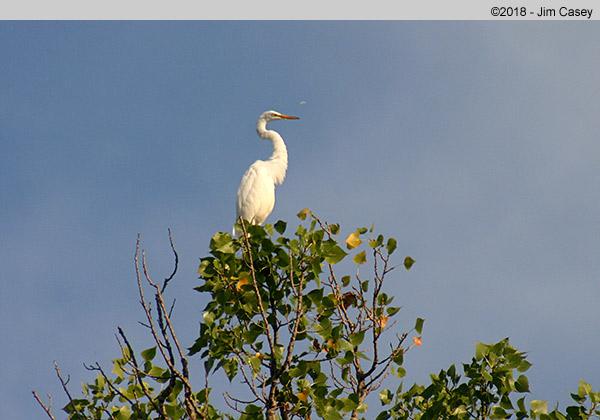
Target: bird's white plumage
256, 193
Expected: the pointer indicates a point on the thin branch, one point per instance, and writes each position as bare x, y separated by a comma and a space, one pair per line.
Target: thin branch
150, 325
160, 303
63, 382
137, 373
183, 376
168, 279
237, 400
165, 312
45, 407
234, 406
98, 368
299, 314
250, 382
206, 405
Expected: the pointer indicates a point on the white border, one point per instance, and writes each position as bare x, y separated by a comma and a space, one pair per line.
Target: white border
281, 9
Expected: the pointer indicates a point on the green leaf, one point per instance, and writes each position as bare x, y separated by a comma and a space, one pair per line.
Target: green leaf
280, 226
149, 354
584, 388
156, 372
481, 349
522, 384
278, 352
222, 242
344, 345
499, 413
360, 258
205, 269
521, 404
345, 280
384, 415
255, 362
303, 213
118, 369
452, 372
524, 365
385, 397
393, 310
539, 407
315, 296
398, 357
460, 411
332, 252
506, 403
230, 366
346, 360
419, 325
408, 262
391, 245
324, 328
208, 317
357, 338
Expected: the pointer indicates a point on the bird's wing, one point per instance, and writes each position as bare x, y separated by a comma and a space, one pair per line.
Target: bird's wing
246, 200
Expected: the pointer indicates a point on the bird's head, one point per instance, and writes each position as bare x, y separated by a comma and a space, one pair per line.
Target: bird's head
274, 115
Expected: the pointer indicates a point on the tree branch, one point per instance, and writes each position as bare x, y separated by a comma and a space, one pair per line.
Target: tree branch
45, 407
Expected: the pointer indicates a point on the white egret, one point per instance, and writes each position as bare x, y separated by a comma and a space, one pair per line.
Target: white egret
256, 194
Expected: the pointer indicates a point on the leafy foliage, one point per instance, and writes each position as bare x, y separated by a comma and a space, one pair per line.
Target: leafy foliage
485, 392
300, 337
304, 339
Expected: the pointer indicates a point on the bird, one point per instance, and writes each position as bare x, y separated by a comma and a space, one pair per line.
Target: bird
256, 193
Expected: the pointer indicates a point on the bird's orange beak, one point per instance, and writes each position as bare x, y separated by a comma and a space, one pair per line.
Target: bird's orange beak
288, 117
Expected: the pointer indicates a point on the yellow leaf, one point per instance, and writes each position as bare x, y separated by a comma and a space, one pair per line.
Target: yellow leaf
360, 258
241, 283
302, 396
353, 240
383, 321
331, 345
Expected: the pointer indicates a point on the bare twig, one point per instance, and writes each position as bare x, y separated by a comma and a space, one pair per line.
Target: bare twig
164, 348
45, 407
63, 382
168, 279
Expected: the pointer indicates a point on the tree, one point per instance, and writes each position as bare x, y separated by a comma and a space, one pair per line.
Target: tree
304, 340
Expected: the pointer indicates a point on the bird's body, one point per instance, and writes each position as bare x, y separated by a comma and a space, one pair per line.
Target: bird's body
256, 194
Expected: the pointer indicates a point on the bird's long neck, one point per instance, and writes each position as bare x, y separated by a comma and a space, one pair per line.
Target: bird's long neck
279, 158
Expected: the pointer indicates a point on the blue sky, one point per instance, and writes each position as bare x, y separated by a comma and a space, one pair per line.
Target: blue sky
474, 143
